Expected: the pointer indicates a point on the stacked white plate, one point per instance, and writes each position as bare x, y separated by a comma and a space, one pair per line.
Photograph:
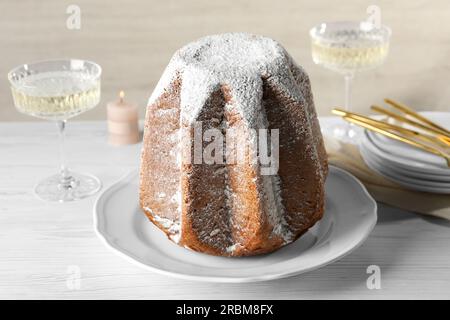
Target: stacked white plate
406, 165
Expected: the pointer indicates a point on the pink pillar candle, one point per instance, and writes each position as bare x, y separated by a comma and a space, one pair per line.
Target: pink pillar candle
122, 122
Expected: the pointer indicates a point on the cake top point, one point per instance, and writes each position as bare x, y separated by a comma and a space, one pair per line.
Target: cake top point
241, 62
231, 53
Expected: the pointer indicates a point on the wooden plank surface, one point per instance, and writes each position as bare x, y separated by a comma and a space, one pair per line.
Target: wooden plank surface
43, 244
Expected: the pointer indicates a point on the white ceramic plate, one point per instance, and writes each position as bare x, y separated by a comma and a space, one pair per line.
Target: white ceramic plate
403, 174
404, 152
409, 156
407, 164
409, 173
349, 218
410, 183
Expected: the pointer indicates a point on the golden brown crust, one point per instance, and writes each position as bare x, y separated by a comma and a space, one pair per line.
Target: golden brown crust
302, 193
224, 209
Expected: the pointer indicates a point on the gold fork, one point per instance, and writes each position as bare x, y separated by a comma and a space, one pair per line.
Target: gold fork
441, 135
371, 125
414, 114
412, 133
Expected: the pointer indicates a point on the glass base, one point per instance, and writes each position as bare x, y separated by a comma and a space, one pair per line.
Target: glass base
70, 187
345, 133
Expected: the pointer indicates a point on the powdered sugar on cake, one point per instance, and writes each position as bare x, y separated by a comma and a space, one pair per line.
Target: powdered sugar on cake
238, 60
173, 227
243, 64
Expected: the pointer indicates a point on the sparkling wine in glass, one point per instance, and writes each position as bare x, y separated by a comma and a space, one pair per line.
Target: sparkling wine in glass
347, 48
58, 90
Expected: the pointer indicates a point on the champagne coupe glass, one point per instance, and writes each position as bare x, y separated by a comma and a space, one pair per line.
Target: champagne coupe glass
347, 48
57, 90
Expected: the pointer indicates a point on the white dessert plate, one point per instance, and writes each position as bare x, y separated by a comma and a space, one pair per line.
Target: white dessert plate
411, 176
350, 216
404, 152
406, 155
411, 183
414, 165
404, 172
417, 175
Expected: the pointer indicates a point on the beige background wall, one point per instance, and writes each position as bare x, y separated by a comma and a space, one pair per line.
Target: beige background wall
133, 41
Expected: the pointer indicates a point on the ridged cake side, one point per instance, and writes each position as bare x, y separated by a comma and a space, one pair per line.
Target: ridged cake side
238, 83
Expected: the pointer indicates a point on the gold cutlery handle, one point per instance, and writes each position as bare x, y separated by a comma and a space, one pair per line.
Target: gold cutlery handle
373, 127
440, 141
408, 121
416, 115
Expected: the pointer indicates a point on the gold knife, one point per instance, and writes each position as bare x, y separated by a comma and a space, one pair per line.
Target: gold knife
442, 134
398, 137
409, 132
414, 114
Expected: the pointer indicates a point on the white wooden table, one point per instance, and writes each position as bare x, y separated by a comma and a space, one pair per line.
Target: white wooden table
44, 246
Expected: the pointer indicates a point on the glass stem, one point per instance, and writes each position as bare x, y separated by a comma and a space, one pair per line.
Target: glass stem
65, 176
348, 91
